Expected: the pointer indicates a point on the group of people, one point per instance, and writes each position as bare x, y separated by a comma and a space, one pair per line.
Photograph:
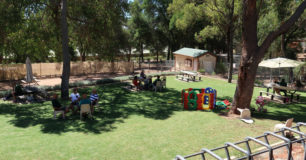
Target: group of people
144, 82
76, 101
297, 84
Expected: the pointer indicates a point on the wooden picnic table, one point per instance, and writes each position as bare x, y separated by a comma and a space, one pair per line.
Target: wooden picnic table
188, 76
290, 90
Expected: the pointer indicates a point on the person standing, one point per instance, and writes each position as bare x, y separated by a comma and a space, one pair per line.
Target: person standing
94, 98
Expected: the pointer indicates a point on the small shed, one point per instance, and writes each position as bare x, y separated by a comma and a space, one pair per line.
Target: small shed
194, 60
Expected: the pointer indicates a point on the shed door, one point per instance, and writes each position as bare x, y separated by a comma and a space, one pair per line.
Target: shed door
209, 67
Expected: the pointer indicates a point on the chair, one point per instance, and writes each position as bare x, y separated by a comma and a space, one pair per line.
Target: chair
164, 84
288, 124
55, 112
85, 108
158, 86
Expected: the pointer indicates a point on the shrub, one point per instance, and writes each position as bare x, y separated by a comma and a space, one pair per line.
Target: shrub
220, 68
201, 70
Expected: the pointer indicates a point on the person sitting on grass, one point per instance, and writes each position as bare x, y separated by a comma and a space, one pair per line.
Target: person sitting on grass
148, 83
142, 75
94, 97
75, 98
57, 105
156, 80
136, 82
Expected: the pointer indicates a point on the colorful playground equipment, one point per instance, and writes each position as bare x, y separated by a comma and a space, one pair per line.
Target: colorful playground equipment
199, 98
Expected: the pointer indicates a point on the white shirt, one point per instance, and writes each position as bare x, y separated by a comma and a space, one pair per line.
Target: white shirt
74, 97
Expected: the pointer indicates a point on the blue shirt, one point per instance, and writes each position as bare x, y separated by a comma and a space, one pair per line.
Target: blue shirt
94, 97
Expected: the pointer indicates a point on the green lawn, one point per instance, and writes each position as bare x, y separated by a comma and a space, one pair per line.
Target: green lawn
131, 125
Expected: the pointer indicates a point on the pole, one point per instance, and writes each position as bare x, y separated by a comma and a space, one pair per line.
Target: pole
270, 74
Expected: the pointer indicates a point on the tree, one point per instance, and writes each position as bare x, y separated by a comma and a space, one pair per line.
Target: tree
198, 26
139, 27
65, 49
224, 18
252, 54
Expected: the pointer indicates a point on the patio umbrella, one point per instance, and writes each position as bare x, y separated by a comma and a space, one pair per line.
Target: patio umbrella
279, 63
29, 76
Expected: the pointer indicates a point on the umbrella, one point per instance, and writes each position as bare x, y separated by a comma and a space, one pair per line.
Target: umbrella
29, 76
279, 63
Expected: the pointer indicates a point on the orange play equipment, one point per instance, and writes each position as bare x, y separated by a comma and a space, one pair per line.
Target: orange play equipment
199, 98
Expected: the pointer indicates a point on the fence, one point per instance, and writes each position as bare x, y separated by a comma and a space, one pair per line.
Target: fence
162, 65
18, 71
248, 153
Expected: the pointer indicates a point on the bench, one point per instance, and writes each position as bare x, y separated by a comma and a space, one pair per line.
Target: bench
272, 96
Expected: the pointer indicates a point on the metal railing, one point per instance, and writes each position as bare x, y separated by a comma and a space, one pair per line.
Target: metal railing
248, 154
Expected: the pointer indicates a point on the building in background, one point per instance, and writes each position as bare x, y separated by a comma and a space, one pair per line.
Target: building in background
194, 59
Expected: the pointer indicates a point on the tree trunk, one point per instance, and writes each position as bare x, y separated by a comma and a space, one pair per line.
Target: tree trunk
129, 54
168, 52
66, 56
230, 43
157, 56
141, 53
1, 57
83, 57
252, 54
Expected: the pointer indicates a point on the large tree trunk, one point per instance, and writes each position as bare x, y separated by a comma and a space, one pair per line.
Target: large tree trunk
66, 56
253, 54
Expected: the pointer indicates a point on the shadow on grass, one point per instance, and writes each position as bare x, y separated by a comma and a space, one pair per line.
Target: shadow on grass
116, 104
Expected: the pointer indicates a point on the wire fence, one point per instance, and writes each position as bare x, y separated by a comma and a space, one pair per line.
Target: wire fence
248, 153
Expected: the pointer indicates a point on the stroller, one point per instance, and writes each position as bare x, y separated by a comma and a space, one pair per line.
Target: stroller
260, 102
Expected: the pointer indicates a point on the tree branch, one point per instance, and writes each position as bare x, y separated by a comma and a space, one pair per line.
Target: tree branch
258, 10
282, 29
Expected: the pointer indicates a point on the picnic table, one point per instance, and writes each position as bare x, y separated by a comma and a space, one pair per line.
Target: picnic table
188, 76
291, 91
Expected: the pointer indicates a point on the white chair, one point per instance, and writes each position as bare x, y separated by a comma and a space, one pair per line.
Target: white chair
164, 83
158, 86
55, 112
288, 124
85, 108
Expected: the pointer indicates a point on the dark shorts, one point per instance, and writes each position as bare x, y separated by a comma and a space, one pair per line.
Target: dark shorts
75, 103
93, 103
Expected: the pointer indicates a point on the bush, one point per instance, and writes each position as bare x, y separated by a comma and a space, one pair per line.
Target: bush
220, 68
201, 70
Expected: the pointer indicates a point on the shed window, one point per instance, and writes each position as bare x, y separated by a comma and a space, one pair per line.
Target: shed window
188, 62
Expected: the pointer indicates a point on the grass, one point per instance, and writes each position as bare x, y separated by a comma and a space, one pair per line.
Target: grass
131, 125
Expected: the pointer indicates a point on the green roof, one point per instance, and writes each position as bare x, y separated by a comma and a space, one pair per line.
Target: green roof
191, 52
